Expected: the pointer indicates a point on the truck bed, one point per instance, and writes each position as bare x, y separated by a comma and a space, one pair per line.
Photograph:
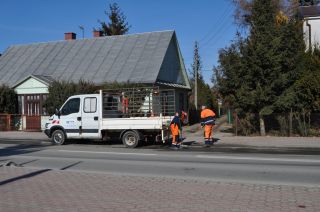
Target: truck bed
143, 123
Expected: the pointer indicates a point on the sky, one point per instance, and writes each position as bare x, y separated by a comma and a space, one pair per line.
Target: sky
210, 22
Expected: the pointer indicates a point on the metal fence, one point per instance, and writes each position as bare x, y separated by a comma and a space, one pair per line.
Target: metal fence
279, 124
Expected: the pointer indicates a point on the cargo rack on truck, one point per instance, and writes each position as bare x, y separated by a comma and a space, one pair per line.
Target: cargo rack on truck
138, 102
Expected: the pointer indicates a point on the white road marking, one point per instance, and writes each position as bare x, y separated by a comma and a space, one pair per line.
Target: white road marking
258, 159
110, 153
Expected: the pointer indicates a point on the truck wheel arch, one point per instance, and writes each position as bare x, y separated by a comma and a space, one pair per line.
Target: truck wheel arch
136, 131
54, 128
133, 133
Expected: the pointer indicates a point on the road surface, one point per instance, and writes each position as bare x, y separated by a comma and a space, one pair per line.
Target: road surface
283, 169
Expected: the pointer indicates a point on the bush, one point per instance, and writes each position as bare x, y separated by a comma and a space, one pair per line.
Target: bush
8, 100
59, 92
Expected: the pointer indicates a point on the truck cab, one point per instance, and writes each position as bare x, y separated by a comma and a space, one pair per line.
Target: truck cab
77, 118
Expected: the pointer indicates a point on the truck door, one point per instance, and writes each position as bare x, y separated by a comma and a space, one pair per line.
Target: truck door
90, 118
70, 117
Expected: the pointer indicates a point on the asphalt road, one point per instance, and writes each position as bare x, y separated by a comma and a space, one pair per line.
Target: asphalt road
283, 169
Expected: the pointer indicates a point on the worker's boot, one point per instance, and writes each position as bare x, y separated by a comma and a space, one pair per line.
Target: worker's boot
173, 146
206, 143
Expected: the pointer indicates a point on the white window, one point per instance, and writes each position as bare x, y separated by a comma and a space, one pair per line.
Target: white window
90, 105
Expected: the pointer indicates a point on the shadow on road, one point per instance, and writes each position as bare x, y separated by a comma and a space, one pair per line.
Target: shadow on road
20, 149
32, 174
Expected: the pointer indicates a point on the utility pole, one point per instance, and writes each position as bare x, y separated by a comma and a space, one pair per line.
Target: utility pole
196, 66
196, 89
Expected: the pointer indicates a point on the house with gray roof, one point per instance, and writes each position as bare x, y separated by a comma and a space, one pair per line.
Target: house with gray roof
151, 58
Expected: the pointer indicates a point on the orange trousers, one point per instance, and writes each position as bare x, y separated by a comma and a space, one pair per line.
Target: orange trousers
208, 132
175, 133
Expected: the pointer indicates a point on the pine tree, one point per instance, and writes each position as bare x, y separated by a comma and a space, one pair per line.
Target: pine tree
117, 24
262, 60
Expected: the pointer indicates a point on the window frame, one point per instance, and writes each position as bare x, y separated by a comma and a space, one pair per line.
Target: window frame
67, 103
90, 105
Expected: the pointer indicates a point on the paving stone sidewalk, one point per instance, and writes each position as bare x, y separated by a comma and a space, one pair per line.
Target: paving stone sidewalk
24, 189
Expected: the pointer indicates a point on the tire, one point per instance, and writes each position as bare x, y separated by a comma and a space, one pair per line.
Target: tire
130, 139
58, 137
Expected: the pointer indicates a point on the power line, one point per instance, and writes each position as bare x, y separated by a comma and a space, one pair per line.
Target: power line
218, 26
216, 23
221, 28
219, 36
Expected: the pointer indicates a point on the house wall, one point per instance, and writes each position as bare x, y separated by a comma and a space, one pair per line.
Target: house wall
170, 70
31, 86
315, 31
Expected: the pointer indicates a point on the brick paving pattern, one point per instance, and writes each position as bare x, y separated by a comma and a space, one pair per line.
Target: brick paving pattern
23, 189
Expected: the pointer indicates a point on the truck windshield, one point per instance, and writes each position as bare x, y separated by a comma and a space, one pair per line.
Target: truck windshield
72, 106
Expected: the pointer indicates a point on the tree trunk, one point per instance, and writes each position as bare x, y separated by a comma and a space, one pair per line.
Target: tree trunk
262, 127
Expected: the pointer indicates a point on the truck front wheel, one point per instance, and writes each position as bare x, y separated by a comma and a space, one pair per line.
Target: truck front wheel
130, 139
58, 137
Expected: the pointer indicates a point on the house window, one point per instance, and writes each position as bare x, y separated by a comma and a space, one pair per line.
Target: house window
44, 98
32, 104
21, 104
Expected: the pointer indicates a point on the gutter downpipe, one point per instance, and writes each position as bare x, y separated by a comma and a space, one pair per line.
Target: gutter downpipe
309, 26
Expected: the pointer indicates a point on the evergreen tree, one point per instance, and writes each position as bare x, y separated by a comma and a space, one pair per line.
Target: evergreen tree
117, 24
307, 88
8, 100
293, 64
261, 59
228, 74
269, 71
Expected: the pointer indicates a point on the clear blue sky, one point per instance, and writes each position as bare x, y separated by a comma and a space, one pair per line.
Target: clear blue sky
207, 21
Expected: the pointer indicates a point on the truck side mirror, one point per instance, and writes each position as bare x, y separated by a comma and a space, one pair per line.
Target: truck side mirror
57, 113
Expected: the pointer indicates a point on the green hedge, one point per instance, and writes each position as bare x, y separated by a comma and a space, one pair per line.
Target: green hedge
8, 100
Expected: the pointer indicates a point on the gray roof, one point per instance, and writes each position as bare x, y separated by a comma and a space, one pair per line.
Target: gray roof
310, 11
127, 58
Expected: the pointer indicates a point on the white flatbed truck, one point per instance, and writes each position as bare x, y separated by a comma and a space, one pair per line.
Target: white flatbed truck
133, 115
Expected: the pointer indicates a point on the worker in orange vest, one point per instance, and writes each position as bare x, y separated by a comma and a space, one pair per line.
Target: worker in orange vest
207, 121
175, 127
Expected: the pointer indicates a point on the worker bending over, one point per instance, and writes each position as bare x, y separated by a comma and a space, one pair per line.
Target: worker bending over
175, 127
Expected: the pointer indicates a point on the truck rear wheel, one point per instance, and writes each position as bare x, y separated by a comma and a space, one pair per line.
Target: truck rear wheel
130, 139
58, 137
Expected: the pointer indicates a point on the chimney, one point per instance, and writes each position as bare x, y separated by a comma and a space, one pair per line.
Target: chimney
70, 36
97, 33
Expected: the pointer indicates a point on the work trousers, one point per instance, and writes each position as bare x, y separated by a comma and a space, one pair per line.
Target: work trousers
208, 132
175, 133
